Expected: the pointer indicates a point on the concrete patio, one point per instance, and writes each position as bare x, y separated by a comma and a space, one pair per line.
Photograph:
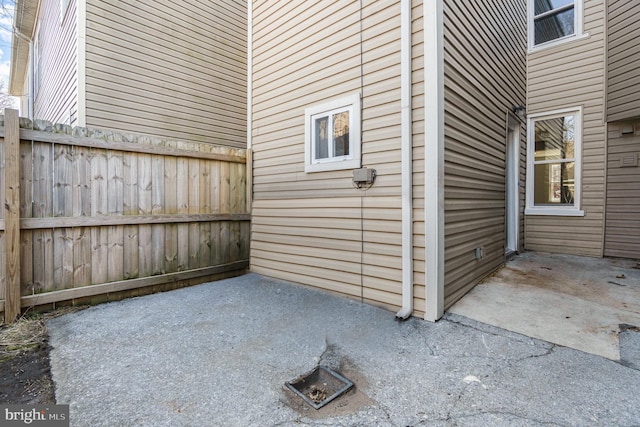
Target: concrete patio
219, 354
577, 302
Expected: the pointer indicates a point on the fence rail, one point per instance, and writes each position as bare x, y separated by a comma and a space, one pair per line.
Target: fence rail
89, 213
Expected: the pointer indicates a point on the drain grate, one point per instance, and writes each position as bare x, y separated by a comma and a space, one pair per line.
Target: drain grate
320, 386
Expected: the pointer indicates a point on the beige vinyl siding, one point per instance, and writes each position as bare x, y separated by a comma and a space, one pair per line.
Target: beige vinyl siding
170, 69
623, 55
622, 237
316, 228
57, 95
417, 93
565, 76
484, 48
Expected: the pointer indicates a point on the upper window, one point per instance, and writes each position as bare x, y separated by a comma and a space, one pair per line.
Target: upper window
553, 21
332, 135
553, 163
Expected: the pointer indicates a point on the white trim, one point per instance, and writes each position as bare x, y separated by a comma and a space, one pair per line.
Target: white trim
352, 161
249, 73
407, 160
82, 62
434, 160
513, 183
574, 210
577, 27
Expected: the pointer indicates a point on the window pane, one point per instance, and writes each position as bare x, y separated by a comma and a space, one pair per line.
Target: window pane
555, 138
554, 184
554, 26
542, 6
322, 138
341, 134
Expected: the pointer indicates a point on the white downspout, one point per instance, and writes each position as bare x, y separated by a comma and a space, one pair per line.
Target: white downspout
249, 161
406, 160
434, 158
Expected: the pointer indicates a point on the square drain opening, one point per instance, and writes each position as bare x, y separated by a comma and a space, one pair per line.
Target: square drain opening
320, 386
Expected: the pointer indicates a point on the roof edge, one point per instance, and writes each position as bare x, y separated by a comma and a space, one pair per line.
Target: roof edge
24, 22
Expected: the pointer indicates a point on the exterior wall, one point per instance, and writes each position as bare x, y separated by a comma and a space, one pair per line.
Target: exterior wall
622, 237
485, 52
417, 92
316, 228
56, 99
563, 76
164, 68
623, 55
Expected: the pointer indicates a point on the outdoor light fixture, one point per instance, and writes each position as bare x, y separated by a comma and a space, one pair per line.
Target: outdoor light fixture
519, 111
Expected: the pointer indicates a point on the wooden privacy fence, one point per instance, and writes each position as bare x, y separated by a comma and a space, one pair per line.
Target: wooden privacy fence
90, 216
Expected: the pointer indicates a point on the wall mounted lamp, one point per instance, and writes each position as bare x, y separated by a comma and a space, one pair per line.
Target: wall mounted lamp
519, 111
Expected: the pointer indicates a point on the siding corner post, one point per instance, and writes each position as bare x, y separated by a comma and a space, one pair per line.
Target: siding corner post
12, 215
434, 158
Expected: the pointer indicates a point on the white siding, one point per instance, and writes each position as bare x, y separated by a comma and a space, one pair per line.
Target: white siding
57, 96
316, 229
485, 51
571, 75
172, 69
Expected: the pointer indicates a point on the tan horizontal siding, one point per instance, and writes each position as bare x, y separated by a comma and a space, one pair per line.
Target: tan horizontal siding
572, 75
622, 228
484, 76
316, 229
623, 55
57, 96
176, 70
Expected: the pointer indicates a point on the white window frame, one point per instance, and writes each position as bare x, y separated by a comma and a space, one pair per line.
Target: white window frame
577, 26
352, 161
64, 6
563, 210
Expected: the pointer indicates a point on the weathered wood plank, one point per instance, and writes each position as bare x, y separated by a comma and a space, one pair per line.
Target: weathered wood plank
81, 256
145, 206
115, 206
42, 208
99, 207
194, 208
157, 207
11, 201
225, 207
130, 206
171, 208
81, 181
39, 223
182, 200
63, 258
205, 207
123, 285
56, 138
26, 198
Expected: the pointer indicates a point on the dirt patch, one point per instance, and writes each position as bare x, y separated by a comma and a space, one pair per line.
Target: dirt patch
25, 374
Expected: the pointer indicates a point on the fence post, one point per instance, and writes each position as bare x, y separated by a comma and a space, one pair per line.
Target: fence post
12, 214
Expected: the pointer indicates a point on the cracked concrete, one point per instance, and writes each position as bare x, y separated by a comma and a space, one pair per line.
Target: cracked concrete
220, 353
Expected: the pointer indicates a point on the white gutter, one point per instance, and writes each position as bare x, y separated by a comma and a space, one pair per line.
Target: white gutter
407, 160
249, 161
249, 70
434, 158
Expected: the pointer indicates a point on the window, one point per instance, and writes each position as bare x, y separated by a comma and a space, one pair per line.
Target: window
554, 21
553, 163
64, 5
332, 135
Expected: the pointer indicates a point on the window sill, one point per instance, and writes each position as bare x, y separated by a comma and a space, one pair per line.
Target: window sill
332, 166
558, 42
551, 211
